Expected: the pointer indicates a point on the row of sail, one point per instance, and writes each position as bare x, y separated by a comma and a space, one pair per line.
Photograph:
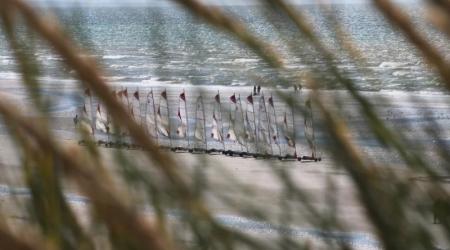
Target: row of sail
253, 130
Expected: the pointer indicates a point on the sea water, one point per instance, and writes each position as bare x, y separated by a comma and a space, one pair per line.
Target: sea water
168, 45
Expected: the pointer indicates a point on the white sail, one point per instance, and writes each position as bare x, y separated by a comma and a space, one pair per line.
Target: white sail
150, 115
83, 122
215, 132
100, 126
231, 135
249, 131
263, 123
287, 134
309, 128
150, 123
199, 132
273, 122
162, 123
181, 130
263, 128
101, 120
239, 124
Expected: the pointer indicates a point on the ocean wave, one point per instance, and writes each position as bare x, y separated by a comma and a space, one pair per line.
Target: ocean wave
245, 60
114, 57
238, 83
6, 61
116, 66
9, 75
400, 73
392, 64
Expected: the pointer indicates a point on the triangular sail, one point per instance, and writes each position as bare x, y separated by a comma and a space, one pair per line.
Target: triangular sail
89, 110
199, 131
231, 134
249, 131
101, 122
263, 129
181, 130
150, 115
250, 120
288, 132
136, 106
273, 124
215, 130
82, 120
162, 116
309, 128
239, 126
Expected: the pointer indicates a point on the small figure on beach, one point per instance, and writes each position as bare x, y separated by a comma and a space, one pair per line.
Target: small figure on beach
75, 119
254, 90
259, 89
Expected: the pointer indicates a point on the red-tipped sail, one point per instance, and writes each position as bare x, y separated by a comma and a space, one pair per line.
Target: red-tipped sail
250, 99
136, 95
233, 98
183, 96
164, 94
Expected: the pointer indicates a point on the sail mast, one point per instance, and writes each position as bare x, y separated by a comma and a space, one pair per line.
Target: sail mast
268, 124
221, 121
88, 93
313, 139
168, 117
254, 122
204, 124
154, 116
275, 121
137, 96
293, 130
243, 120
187, 119
234, 127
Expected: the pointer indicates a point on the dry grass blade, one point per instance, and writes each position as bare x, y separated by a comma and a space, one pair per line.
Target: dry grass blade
10, 241
118, 217
217, 18
88, 72
430, 53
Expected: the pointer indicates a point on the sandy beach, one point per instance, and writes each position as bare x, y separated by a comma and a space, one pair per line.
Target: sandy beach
408, 112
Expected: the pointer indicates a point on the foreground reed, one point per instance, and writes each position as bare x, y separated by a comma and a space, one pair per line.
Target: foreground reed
397, 208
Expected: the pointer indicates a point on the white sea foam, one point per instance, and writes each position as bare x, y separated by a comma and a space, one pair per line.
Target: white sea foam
392, 64
115, 78
400, 73
6, 61
245, 60
9, 75
114, 57
237, 83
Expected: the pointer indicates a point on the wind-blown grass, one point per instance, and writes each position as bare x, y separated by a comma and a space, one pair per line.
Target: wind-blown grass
392, 202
